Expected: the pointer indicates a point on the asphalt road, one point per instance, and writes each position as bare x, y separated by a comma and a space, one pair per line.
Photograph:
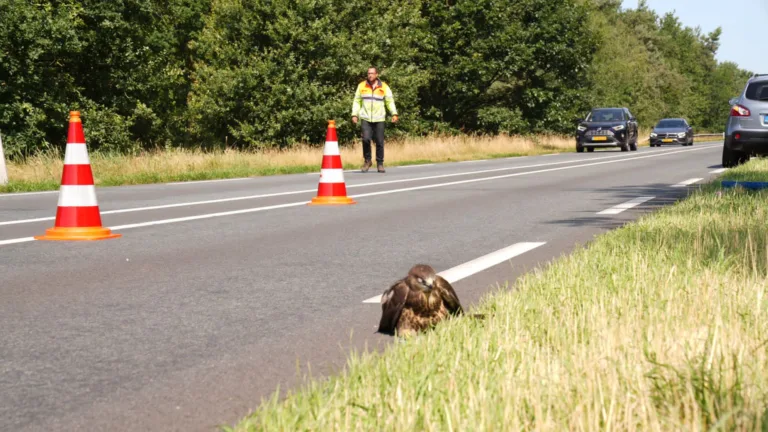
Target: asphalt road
220, 291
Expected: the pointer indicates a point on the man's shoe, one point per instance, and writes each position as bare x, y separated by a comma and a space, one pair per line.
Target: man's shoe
366, 165
380, 168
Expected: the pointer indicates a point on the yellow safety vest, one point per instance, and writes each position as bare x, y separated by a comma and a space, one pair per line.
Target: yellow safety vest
370, 103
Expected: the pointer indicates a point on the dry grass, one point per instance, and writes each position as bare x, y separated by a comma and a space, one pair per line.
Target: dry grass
43, 172
660, 325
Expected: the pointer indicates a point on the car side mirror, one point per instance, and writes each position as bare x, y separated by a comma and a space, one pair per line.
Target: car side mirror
732, 101
632, 118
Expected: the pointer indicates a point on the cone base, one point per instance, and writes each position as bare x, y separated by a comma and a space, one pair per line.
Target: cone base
331, 200
88, 233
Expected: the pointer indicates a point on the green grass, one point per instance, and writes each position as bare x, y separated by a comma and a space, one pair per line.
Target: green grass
659, 325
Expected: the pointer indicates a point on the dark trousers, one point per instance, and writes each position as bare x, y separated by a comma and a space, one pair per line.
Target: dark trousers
375, 131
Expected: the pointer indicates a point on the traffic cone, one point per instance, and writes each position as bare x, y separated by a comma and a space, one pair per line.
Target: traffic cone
77, 216
332, 190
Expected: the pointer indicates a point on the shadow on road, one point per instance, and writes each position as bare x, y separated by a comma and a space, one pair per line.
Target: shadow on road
664, 196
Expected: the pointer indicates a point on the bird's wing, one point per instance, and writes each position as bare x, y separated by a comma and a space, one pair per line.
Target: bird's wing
448, 295
392, 302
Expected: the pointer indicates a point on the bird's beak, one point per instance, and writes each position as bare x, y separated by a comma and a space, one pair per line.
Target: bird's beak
430, 283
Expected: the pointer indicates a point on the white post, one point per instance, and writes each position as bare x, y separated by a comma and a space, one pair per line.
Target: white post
3, 172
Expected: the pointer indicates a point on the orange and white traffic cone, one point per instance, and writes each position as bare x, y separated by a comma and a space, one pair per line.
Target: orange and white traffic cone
331, 190
77, 216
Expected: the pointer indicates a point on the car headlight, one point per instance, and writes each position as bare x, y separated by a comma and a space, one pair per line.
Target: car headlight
618, 128
681, 135
653, 135
582, 128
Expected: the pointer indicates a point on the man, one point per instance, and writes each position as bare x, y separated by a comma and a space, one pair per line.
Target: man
371, 99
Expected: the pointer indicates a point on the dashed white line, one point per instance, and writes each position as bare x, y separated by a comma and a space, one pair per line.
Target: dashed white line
471, 161
625, 206
719, 171
687, 182
479, 264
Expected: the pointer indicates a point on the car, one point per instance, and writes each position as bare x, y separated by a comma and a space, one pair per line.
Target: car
607, 127
671, 131
746, 133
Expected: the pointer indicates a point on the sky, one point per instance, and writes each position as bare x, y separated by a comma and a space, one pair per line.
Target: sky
744, 22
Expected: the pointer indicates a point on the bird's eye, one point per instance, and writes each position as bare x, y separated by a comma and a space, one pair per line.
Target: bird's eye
421, 280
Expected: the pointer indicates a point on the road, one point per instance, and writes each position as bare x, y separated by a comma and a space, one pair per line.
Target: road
220, 291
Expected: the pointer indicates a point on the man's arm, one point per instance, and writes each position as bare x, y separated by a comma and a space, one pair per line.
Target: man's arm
389, 100
357, 102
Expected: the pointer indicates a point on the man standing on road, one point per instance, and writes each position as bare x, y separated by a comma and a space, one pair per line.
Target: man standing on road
372, 97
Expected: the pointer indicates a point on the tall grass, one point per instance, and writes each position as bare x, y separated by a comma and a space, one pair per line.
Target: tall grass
43, 172
660, 325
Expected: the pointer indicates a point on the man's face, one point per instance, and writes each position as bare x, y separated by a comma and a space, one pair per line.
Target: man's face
372, 75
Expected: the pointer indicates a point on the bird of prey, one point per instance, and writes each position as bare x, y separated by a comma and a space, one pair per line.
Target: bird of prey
417, 302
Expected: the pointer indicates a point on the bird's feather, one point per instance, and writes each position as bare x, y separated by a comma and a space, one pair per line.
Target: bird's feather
392, 302
450, 299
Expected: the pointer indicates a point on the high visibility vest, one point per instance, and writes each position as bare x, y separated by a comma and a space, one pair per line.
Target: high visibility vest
370, 103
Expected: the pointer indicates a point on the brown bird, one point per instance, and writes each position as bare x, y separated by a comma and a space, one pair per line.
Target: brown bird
417, 302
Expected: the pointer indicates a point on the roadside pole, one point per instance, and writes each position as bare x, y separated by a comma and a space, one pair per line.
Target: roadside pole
3, 171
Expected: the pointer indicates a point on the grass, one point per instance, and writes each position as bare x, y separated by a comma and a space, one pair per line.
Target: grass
43, 172
659, 325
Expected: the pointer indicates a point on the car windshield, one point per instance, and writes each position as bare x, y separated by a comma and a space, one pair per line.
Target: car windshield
670, 124
605, 115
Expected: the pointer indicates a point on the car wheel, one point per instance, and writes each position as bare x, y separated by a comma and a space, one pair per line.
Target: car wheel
625, 145
732, 158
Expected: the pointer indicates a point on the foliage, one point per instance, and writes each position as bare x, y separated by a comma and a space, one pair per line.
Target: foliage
258, 74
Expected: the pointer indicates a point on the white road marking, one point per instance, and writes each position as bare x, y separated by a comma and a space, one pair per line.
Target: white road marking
687, 182
208, 216
470, 161
208, 181
17, 240
10, 195
411, 166
625, 206
719, 171
551, 154
479, 264
392, 191
165, 206
314, 189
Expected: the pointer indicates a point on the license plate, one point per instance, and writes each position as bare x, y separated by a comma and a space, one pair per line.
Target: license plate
666, 140
599, 138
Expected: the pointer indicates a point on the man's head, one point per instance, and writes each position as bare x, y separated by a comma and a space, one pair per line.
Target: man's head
373, 74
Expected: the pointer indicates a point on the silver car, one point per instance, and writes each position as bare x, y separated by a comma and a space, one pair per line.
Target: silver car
746, 133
